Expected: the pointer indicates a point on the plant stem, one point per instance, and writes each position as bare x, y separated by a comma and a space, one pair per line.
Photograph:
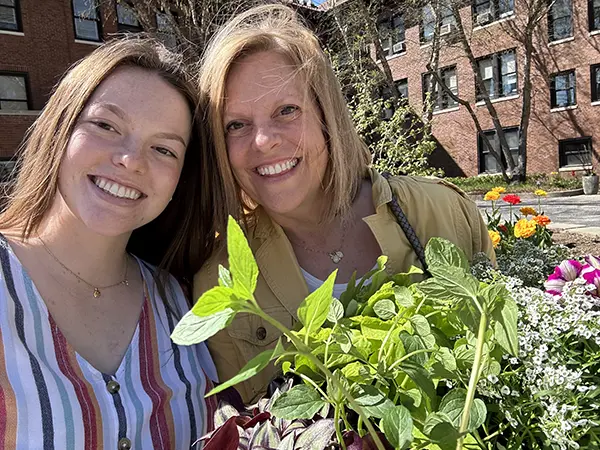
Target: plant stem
409, 355
305, 350
475, 372
338, 431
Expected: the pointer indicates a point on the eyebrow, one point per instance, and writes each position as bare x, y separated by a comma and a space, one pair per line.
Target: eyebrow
171, 136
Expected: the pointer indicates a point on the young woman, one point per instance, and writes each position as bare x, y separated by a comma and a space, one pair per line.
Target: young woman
297, 173
113, 181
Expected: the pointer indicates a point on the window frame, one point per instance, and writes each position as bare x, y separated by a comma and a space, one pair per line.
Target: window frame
388, 22
552, 19
482, 149
595, 82
27, 100
562, 158
97, 20
443, 101
553, 103
19, 23
593, 15
497, 76
125, 27
494, 10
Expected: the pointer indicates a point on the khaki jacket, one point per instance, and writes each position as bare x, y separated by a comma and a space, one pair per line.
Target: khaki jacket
433, 208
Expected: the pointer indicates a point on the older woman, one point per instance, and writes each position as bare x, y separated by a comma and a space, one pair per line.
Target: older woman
297, 173
109, 187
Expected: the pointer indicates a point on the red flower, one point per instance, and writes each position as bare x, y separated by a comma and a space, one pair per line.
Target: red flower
503, 228
512, 199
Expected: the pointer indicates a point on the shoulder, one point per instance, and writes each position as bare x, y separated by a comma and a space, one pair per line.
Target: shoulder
415, 186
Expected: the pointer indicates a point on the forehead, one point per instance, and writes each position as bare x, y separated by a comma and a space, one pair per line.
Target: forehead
263, 75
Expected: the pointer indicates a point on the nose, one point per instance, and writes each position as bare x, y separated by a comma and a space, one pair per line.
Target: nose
267, 138
131, 157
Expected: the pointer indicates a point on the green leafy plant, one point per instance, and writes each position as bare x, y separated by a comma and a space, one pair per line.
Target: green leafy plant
390, 356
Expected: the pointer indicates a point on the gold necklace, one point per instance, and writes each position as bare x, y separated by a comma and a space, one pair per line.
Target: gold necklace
97, 290
336, 255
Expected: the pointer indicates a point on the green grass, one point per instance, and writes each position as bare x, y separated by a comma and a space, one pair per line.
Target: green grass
483, 183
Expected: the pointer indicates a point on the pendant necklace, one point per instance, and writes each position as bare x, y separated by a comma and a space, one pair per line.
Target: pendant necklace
96, 290
336, 255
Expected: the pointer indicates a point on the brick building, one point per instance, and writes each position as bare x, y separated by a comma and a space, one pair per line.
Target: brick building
39, 41
564, 132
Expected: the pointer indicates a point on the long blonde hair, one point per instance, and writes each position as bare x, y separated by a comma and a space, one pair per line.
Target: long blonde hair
182, 237
278, 28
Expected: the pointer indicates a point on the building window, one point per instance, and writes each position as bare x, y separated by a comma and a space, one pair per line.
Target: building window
499, 74
7, 170
446, 19
402, 86
595, 77
594, 14
575, 152
165, 30
486, 11
389, 108
13, 92
560, 20
562, 89
127, 19
487, 162
391, 35
86, 18
10, 16
440, 98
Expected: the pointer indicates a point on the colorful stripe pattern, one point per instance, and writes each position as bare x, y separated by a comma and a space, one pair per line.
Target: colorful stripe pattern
51, 398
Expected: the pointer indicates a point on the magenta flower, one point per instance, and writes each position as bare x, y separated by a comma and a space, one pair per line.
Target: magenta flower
593, 261
592, 277
567, 270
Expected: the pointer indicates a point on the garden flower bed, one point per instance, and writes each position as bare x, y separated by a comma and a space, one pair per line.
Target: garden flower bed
468, 358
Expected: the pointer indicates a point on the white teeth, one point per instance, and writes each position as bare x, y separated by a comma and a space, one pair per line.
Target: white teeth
116, 189
277, 168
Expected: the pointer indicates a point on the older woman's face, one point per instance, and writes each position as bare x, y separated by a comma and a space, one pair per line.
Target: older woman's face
275, 142
124, 158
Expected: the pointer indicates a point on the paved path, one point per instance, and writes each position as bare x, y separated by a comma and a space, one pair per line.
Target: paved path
580, 213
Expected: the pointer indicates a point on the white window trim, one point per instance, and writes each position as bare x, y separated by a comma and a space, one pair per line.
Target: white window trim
12, 33
561, 41
596, 103
447, 110
506, 18
594, 32
499, 99
575, 168
95, 43
19, 112
563, 108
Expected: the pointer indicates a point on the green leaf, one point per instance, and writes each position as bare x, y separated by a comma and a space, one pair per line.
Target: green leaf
300, 402
385, 291
192, 329
336, 311
225, 277
404, 297
420, 325
385, 309
255, 365
343, 337
411, 344
215, 300
453, 405
420, 377
313, 310
445, 357
372, 327
444, 435
373, 402
443, 253
397, 426
450, 283
505, 326
242, 264
351, 308
434, 419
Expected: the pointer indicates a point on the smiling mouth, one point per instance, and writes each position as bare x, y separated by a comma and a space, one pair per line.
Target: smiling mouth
277, 169
115, 189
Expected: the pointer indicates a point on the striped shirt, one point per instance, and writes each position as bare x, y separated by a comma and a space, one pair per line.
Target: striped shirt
52, 398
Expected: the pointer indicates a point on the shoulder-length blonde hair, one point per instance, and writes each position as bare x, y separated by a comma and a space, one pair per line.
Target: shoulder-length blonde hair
278, 28
182, 237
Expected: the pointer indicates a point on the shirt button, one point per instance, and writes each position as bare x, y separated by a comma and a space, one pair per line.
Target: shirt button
113, 387
124, 444
261, 333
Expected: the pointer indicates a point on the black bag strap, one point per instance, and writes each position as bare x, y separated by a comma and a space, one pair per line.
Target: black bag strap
413, 239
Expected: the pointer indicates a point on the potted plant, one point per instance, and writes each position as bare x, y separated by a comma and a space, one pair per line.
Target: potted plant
589, 179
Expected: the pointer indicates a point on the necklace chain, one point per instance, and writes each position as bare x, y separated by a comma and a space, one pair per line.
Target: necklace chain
336, 255
97, 290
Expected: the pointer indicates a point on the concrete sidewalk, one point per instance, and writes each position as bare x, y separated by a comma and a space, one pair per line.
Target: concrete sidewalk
580, 214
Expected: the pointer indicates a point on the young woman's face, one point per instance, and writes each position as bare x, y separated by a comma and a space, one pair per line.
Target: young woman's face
275, 141
125, 155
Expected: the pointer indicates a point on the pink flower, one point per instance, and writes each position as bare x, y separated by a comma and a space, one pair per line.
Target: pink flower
592, 277
593, 261
567, 270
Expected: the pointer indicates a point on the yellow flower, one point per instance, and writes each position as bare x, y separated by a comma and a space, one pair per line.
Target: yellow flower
540, 193
491, 195
495, 237
528, 211
524, 228
542, 221
499, 189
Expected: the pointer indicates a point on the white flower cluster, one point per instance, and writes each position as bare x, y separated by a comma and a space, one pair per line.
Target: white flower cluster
550, 384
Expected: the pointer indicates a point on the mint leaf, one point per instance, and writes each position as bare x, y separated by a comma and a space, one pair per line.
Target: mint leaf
385, 309
505, 326
215, 300
403, 297
242, 264
300, 402
192, 329
443, 253
225, 277
453, 405
450, 283
336, 311
255, 365
420, 377
397, 426
313, 310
